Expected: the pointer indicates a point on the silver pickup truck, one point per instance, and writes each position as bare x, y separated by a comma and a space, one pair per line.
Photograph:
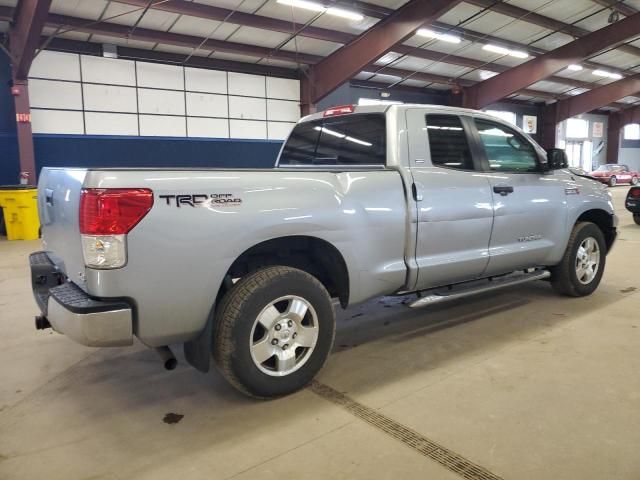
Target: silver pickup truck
242, 265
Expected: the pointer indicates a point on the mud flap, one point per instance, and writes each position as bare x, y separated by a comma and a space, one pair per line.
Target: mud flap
198, 352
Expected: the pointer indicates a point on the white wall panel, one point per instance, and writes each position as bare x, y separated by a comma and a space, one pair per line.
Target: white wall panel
248, 129
56, 121
207, 105
156, 75
161, 101
244, 84
247, 108
56, 65
108, 70
54, 94
111, 123
157, 125
283, 110
208, 127
279, 130
109, 98
283, 88
201, 80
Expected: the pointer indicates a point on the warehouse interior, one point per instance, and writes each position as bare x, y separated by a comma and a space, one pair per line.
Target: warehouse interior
513, 384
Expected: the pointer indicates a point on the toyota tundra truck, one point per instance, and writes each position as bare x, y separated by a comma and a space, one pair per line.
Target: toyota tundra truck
244, 267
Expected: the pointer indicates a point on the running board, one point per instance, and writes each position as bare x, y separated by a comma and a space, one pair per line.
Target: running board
461, 291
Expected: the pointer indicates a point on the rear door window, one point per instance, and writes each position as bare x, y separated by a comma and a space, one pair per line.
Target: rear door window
349, 140
448, 142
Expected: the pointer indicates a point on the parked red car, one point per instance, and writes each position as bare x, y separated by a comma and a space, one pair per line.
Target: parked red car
613, 174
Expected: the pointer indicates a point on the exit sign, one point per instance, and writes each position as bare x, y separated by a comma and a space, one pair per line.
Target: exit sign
23, 117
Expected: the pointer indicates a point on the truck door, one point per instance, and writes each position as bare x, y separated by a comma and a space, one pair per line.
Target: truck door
454, 204
530, 206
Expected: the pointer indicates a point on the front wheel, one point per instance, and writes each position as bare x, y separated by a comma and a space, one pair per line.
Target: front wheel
580, 271
634, 180
275, 329
636, 218
613, 181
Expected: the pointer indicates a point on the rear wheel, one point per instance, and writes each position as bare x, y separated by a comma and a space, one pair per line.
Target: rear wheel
580, 271
636, 218
613, 181
275, 331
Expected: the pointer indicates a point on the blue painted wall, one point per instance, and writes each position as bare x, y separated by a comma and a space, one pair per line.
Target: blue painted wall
113, 151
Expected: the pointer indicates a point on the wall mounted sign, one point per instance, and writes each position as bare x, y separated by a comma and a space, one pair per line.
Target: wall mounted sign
530, 123
598, 129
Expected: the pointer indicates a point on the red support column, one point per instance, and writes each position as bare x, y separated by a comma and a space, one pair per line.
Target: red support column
549, 126
20, 92
613, 137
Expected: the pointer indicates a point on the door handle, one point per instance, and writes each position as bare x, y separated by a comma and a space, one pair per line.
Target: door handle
48, 196
414, 190
503, 190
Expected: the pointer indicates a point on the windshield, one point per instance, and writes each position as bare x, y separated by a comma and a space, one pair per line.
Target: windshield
345, 140
604, 168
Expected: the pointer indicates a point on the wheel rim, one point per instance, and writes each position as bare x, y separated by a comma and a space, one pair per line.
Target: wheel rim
613, 181
634, 181
587, 260
284, 335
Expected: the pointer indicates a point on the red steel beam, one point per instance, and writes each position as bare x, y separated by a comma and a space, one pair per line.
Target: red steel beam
598, 97
541, 67
24, 34
343, 64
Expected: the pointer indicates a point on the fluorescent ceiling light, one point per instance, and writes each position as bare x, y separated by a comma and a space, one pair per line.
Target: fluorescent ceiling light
601, 73
445, 37
317, 7
605, 74
574, 68
490, 47
339, 12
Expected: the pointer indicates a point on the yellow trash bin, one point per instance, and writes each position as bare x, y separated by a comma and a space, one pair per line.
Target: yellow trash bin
20, 208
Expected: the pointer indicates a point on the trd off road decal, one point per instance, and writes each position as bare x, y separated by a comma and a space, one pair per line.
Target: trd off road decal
197, 199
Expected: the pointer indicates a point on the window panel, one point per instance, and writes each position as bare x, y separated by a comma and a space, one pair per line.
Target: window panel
632, 132
506, 150
448, 142
348, 140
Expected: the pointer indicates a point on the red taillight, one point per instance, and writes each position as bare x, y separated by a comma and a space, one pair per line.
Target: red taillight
341, 110
113, 211
634, 192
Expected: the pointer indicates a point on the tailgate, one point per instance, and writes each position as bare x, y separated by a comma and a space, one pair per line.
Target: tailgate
58, 205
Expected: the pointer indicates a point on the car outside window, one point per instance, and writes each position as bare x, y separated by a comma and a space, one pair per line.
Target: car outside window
448, 142
506, 149
349, 140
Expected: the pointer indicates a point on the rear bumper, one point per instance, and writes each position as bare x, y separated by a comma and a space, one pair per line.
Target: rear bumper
73, 312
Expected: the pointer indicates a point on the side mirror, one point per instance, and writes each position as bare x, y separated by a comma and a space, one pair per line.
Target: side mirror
556, 159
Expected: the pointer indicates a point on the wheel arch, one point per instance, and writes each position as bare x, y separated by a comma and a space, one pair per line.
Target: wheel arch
603, 220
311, 254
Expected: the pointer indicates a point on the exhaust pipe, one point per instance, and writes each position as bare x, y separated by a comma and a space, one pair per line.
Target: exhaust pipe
167, 357
42, 323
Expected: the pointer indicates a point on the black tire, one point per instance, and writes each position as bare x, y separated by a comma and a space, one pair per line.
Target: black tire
636, 218
564, 277
634, 180
613, 182
238, 312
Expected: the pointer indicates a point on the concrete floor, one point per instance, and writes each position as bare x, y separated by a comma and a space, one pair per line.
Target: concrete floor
527, 384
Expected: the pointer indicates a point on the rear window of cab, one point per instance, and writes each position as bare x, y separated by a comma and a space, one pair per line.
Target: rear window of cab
349, 140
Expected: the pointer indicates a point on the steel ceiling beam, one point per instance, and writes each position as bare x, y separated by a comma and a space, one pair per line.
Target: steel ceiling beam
346, 62
546, 65
24, 34
541, 20
596, 98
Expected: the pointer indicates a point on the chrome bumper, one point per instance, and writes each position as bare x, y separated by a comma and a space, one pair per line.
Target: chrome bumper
73, 312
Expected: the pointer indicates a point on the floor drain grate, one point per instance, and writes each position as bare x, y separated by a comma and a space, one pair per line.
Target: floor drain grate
445, 457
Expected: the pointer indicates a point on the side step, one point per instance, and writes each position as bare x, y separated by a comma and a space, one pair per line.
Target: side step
466, 290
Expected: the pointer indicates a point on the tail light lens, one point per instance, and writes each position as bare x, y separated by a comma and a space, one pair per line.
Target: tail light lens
106, 216
634, 192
